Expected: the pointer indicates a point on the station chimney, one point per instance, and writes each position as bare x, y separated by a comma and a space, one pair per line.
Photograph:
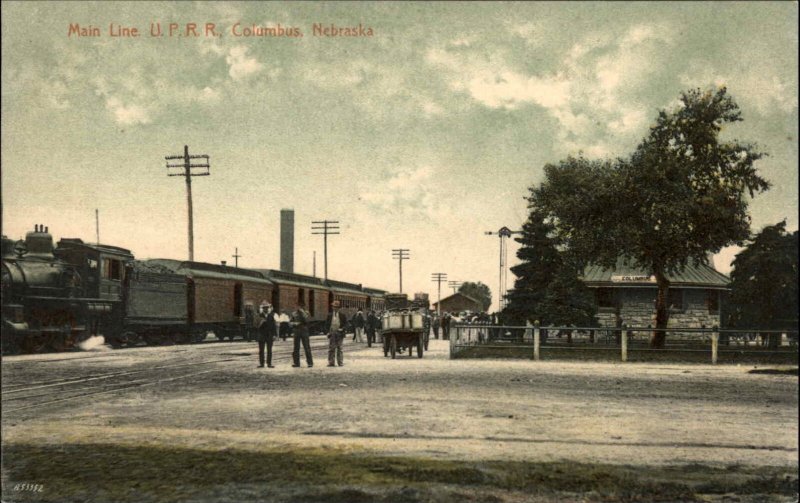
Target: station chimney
287, 240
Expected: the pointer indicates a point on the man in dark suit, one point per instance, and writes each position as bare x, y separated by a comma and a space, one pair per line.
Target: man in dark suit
300, 324
334, 327
372, 326
267, 331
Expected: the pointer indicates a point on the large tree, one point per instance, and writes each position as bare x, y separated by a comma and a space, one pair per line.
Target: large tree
547, 287
477, 291
680, 195
764, 282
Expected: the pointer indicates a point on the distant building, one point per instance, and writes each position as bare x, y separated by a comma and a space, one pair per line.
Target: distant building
459, 302
628, 295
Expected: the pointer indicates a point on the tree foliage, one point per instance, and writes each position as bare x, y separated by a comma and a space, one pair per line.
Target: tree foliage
764, 282
681, 194
477, 291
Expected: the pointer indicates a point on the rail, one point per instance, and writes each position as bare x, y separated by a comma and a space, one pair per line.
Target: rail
622, 340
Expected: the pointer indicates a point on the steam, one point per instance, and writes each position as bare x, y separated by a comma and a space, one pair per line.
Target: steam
94, 343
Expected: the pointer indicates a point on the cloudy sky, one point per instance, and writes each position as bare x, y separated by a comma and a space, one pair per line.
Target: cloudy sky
423, 136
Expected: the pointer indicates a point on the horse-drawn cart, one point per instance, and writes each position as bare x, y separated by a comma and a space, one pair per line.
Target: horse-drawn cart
403, 329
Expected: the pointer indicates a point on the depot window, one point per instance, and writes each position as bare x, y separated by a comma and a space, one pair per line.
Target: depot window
675, 300
605, 297
712, 301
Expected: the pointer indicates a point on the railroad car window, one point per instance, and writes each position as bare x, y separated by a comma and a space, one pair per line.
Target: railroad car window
112, 269
237, 299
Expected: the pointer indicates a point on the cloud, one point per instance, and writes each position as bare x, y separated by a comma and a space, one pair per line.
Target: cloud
127, 114
240, 65
379, 88
592, 93
759, 86
403, 191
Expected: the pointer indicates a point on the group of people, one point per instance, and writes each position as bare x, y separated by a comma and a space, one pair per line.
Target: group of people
270, 326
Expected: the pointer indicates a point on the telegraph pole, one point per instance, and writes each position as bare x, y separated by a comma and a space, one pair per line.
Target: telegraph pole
325, 227
503, 233
439, 277
187, 167
314, 264
401, 254
455, 285
97, 223
236, 257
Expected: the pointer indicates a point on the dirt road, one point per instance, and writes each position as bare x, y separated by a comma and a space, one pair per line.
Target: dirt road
381, 429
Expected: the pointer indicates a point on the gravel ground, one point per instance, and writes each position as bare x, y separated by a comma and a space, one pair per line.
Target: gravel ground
634, 415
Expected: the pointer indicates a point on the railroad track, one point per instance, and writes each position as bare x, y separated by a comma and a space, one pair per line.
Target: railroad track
32, 395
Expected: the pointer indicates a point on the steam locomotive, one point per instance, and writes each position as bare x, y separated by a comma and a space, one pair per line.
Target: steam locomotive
54, 297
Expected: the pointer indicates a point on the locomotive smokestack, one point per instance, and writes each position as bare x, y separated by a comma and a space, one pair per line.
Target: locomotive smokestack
287, 240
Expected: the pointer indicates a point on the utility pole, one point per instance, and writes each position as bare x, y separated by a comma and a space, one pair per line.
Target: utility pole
236, 257
439, 277
97, 223
187, 167
325, 227
455, 285
314, 264
401, 254
503, 233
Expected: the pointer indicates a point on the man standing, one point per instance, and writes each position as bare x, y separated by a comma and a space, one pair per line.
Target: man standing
358, 325
372, 326
300, 323
446, 326
267, 331
435, 324
334, 327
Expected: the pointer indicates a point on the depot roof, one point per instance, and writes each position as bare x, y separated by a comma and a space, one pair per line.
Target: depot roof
626, 275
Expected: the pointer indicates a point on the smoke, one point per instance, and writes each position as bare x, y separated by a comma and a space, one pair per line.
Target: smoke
94, 343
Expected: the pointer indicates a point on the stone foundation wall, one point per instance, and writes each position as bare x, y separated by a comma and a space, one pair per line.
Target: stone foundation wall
637, 309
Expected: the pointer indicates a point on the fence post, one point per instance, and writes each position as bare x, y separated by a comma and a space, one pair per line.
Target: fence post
714, 343
624, 342
452, 341
536, 340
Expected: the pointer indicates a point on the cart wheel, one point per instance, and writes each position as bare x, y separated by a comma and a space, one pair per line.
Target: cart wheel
393, 345
419, 349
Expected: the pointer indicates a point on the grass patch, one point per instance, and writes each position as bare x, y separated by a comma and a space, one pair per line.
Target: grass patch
111, 473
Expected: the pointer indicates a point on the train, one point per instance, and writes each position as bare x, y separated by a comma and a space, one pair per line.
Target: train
56, 296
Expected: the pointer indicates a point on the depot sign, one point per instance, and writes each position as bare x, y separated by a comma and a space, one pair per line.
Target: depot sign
632, 279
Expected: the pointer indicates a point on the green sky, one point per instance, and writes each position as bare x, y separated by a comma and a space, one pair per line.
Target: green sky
423, 136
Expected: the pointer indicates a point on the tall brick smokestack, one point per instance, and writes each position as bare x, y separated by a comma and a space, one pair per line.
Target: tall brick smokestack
287, 240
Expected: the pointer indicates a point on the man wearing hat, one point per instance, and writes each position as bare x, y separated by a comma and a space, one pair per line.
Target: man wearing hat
335, 329
267, 330
300, 324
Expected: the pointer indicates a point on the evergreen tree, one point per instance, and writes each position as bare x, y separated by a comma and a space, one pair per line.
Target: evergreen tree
547, 287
